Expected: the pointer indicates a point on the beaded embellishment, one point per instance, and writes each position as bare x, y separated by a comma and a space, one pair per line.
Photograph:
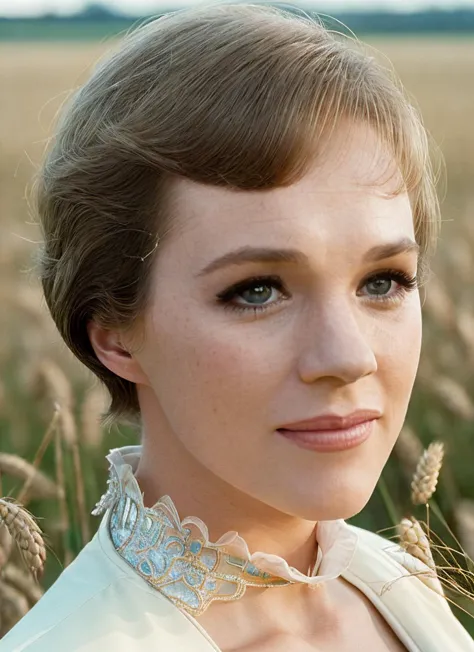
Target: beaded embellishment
176, 557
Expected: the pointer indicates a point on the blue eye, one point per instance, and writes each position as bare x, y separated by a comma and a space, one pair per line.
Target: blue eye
379, 285
261, 288
379, 281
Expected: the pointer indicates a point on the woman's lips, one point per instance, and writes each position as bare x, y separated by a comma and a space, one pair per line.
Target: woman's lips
329, 441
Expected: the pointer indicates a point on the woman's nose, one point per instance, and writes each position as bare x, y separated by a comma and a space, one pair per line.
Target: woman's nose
338, 346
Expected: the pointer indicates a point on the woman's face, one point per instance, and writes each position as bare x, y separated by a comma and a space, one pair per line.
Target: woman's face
334, 332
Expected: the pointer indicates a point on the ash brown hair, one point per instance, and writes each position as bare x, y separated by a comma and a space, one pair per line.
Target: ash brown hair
235, 95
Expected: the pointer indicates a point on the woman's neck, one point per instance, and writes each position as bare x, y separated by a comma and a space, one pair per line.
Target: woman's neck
165, 467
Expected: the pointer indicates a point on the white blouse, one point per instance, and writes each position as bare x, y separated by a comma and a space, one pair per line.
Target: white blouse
100, 602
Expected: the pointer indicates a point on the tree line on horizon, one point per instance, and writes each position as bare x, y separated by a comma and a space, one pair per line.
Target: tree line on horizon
429, 20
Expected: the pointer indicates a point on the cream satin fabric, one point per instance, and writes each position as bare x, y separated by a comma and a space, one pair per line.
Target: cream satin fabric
99, 603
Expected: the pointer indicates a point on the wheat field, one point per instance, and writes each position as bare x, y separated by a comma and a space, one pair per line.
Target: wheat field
51, 445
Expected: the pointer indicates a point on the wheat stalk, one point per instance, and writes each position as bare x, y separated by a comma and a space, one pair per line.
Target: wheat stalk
25, 532
454, 396
63, 511
50, 381
79, 479
426, 475
23, 582
91, 411
37, 481
13, 606
48, 436
464, 514
465, 329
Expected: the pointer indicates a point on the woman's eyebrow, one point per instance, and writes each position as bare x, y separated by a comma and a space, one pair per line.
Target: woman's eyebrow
248, 254
402, 246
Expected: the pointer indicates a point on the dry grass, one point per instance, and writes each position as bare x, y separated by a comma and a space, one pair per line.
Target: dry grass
50, 408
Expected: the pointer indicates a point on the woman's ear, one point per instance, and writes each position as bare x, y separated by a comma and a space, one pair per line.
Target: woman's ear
110, 349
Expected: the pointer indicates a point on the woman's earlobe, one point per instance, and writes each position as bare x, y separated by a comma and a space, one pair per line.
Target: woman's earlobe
110, 349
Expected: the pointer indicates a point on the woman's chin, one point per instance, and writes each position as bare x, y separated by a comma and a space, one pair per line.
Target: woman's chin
344, 504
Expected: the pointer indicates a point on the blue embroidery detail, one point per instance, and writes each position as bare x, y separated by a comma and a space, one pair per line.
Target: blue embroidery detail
145, 568
195, 547
251, 570
169, 556
210, 585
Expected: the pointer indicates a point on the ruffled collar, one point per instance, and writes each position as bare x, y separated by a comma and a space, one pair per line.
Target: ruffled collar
176, 557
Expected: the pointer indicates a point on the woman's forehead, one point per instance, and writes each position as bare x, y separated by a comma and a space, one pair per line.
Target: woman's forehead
346, 190
339, 224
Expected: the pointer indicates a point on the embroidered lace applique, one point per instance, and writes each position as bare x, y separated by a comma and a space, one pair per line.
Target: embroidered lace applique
176, 557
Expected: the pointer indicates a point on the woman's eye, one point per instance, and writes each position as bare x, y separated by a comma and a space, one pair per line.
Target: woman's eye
383, 282
257, 293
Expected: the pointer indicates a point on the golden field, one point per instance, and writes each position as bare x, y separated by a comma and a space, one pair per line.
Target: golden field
49, 406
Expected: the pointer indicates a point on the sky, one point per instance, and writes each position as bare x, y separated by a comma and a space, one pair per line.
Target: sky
143, 7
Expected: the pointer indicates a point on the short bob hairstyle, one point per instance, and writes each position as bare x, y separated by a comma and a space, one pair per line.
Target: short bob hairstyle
235, 95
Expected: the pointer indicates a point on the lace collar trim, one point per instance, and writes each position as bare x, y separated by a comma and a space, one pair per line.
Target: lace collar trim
176, 557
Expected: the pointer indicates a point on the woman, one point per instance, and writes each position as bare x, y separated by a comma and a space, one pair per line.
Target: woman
238, 213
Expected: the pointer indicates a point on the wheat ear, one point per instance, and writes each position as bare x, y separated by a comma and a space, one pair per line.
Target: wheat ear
414, 540
26, 533
5, 545
426, 475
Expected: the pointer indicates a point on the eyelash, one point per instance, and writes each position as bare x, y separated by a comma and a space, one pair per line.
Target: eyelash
408, 284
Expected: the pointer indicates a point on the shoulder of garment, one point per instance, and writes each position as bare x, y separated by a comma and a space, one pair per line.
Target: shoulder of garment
100, 603
407, 593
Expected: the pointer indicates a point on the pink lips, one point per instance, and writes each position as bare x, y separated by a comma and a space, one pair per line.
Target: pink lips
331, 433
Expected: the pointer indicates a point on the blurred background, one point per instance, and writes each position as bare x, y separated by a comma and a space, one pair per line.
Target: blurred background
50, 405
